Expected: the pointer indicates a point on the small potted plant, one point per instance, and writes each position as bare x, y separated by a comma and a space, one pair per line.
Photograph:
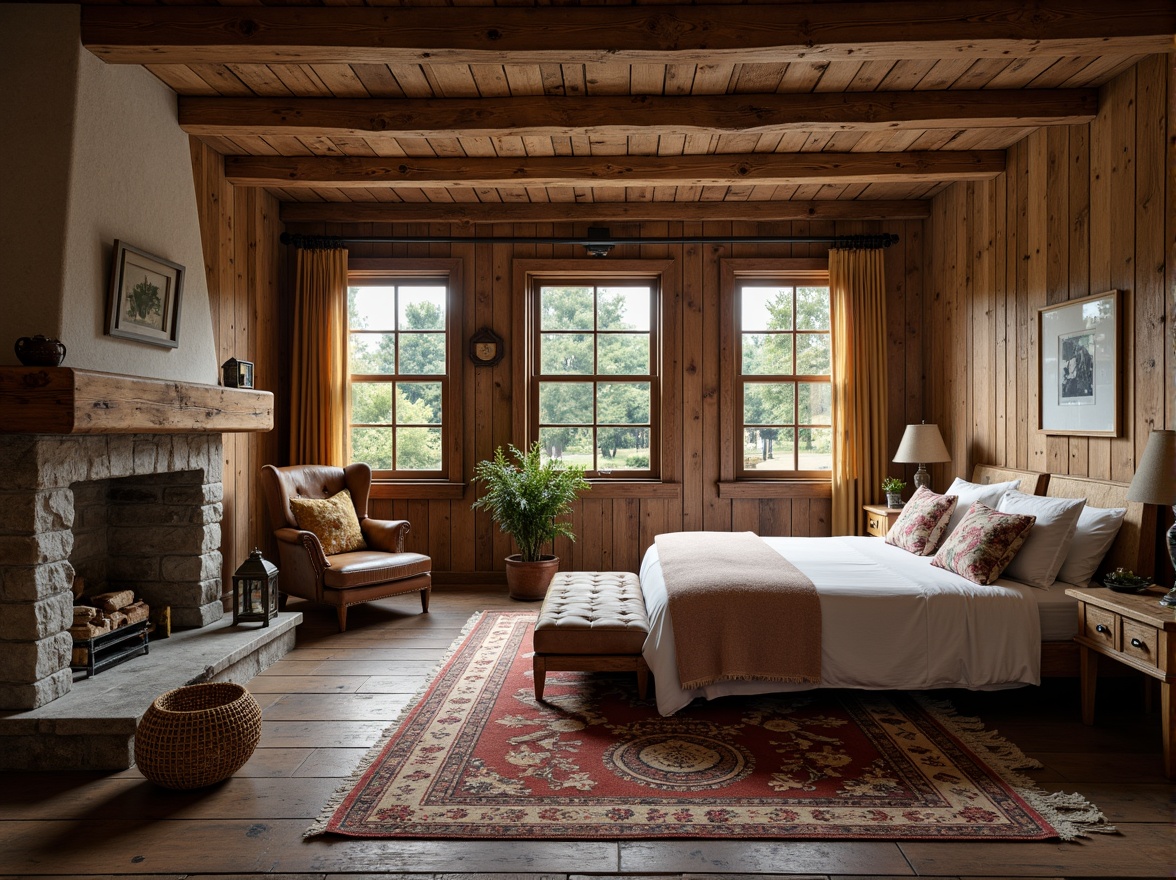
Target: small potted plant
893, 487
526, 498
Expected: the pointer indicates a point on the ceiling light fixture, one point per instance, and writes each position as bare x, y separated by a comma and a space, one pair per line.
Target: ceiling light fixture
597, 243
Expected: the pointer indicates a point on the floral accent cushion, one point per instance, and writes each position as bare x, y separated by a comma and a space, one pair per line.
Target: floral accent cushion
983, 543
921, 525
332, 520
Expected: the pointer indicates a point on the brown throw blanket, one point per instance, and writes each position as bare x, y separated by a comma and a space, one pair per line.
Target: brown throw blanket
739, 610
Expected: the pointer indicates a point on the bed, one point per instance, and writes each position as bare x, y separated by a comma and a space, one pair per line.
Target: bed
892, 621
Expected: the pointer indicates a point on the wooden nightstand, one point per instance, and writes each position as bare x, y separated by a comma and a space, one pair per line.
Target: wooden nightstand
1135, 629
879, 518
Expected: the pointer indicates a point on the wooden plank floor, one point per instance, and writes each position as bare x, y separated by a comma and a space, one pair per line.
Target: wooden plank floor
330, 698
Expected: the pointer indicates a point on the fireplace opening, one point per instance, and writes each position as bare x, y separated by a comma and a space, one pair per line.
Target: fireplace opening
156, 535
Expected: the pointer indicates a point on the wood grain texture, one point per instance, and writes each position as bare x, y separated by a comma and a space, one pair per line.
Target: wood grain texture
244, 266
772, 34
633, 114
64, 400
1093, 189
463, 215
712, 170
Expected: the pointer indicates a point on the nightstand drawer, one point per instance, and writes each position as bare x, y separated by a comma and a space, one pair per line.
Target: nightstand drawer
877, 525
1140, 641
879, 519
1100, 626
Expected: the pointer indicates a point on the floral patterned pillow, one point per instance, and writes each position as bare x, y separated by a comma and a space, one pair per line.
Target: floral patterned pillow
984, 542
332, 520
920, 526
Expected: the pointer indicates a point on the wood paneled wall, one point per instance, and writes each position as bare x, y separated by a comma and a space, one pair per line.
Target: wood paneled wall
1079, 210
244, 263
613, 532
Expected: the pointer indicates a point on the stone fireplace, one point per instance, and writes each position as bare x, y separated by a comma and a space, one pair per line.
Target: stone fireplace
116, 479
140, 511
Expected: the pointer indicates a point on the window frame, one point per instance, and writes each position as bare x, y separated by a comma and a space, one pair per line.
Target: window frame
735, 478
665, 332
538, 282
448, 480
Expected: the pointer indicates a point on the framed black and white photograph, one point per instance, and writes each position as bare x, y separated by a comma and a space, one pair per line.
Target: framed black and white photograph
1078, 380
144, 299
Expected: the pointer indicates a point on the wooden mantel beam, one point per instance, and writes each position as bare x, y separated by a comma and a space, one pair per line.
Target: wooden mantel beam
770, 33
635, 114
466, 214
710, 170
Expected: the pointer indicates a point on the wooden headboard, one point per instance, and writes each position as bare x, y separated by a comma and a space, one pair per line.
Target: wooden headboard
1135, 546
1031, 482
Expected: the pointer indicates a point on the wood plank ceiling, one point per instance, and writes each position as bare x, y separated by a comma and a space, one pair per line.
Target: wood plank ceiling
475, 111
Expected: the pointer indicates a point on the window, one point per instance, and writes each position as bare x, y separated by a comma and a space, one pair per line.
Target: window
402, 415
594, 399
783, 394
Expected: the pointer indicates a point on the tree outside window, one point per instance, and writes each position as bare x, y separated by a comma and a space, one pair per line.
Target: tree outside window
595, 397
784, 391
399, 380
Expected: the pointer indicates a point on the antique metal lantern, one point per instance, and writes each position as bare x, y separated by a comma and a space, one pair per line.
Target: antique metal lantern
255, 590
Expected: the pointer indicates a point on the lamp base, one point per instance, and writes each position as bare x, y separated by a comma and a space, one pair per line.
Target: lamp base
1170, 597
922, 478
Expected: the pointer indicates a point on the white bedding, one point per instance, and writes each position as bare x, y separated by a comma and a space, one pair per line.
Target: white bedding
890, 620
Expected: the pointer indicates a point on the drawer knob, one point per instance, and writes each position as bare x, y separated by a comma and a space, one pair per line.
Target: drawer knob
1136, 643
1101, 628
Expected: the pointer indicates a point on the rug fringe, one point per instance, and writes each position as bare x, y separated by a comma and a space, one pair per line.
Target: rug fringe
1071, 815
335, 801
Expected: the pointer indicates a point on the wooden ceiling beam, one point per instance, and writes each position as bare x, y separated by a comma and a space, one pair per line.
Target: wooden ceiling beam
769, 33
466, 214
634, 114
760, 169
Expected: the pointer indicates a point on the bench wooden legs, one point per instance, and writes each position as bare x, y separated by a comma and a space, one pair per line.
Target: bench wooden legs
590, 663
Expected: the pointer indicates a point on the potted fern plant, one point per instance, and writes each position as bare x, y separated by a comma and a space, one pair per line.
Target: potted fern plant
526, 498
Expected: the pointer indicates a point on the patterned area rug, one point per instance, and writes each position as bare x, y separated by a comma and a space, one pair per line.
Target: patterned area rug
477, 757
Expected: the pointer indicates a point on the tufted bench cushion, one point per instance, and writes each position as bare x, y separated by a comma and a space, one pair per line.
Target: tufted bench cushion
591, 621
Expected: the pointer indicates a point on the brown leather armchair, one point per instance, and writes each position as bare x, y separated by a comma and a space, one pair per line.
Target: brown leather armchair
344, 579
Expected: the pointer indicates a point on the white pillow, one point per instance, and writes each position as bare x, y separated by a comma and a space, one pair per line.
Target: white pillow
1044, 551
987, 494
1097, 528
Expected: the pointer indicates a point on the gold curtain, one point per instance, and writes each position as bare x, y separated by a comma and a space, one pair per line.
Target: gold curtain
318, 382
858, 293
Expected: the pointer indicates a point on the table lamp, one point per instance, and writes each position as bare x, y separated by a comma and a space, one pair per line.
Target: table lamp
1155, 483
921, 444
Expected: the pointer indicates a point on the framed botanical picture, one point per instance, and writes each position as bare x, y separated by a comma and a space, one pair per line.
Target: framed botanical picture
144, 297
1078, 379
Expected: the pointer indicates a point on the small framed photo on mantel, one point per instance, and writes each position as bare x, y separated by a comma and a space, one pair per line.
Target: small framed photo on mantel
144, 300
1078, 376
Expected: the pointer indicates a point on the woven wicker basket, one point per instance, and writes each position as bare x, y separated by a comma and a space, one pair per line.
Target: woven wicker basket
197, 735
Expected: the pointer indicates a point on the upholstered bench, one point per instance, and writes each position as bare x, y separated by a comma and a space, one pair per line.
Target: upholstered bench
592, 621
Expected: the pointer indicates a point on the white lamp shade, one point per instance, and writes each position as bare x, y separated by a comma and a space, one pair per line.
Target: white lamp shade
1155, 478
921, 443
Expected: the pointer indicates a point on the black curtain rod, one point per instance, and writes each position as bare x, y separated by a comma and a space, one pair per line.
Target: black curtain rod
596, 238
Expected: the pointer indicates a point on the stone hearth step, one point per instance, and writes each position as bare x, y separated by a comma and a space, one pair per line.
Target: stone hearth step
93, 726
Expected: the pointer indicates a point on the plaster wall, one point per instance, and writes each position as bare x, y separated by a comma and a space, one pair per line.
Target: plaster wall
111, 164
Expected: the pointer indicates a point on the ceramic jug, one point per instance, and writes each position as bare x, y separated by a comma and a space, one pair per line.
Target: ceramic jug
39, 351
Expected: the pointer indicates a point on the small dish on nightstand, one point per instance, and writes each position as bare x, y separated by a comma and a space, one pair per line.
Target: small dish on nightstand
1123, 581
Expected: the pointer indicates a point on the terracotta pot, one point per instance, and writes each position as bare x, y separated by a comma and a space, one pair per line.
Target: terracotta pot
528, 581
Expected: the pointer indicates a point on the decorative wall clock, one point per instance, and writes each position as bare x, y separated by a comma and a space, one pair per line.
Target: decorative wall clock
486, 348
